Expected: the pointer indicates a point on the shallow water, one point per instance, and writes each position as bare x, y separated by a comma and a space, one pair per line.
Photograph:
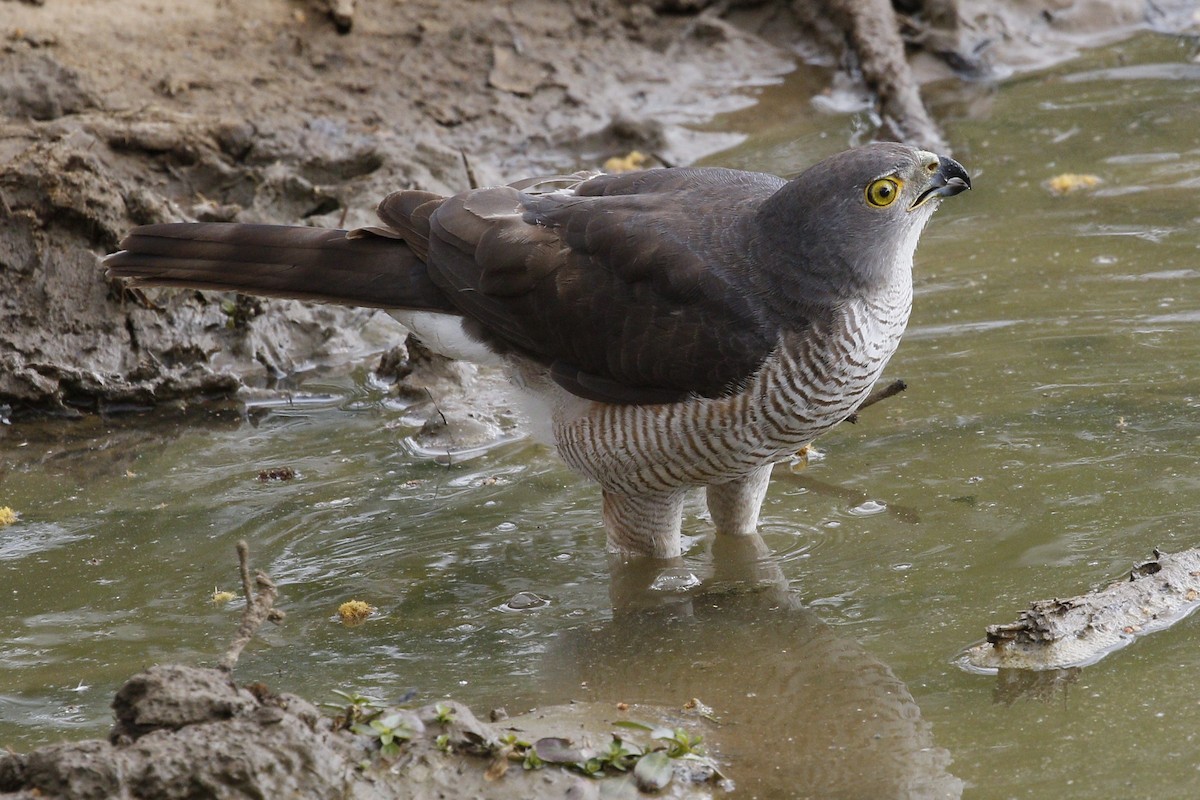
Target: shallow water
1048, 440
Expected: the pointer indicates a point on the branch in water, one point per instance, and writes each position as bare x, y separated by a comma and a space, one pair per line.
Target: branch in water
1078, 631
260, 608
879, 393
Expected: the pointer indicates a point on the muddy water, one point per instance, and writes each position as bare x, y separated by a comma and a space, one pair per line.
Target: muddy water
1049, 439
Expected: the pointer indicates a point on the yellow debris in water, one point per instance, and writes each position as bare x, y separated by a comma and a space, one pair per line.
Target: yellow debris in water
634, 161
1071, 182
7, 516
354, 612
220, 598
799, 462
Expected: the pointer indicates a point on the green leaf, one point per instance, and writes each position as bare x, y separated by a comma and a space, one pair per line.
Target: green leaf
621, 754
653, 771
391, 720
629, 723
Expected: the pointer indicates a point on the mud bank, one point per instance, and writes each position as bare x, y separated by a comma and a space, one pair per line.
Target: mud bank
121, 114
187, 732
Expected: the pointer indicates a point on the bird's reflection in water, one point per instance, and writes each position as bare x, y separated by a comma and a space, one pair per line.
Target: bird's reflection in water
800, 711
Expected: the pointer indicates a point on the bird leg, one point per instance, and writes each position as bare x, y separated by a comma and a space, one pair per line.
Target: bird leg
644, 524
734, 506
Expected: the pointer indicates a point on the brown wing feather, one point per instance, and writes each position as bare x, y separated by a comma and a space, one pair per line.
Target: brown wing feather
632, 289
407, 212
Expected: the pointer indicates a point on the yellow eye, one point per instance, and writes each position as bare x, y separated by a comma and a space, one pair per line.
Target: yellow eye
883, 192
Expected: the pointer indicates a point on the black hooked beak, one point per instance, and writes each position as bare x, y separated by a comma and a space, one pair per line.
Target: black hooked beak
948, 180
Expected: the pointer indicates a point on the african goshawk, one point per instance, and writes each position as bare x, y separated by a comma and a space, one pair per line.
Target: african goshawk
677, 328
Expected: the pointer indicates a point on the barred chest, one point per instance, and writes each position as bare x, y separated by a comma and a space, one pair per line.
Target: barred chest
815, 382
810, 384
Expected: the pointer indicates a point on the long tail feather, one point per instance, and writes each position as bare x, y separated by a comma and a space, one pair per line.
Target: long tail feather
279, 261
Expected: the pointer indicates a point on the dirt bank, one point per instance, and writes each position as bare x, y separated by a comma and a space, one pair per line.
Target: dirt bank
186, 732
124, 113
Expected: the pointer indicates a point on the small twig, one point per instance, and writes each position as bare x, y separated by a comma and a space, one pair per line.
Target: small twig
243, 551
879, 393
853, 497
472, 179
259, 608
873, 35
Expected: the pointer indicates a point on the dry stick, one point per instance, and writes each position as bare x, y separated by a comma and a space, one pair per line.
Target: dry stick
472, 180
1060, 633
873, 33
259, 608
854, 497
878, 393
901, 512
